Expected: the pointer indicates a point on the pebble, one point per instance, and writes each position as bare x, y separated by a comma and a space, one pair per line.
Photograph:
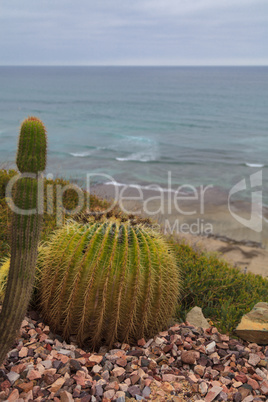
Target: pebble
254, 359
188, 357
12, 377
183, 363
57, 384
213, 393
66, 397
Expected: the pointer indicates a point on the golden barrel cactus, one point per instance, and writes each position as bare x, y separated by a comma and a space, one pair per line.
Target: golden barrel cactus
107, 281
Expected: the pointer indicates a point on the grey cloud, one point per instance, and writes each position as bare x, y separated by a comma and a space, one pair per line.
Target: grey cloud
140, 32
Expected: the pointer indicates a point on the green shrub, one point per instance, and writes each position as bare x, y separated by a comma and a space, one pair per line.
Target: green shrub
69, 202
222, 291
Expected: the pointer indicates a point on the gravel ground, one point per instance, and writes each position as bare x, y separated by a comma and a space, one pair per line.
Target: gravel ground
183, 363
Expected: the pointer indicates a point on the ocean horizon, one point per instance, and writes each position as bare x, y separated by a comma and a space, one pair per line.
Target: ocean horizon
202, 125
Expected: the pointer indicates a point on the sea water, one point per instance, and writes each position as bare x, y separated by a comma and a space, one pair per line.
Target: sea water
136, 125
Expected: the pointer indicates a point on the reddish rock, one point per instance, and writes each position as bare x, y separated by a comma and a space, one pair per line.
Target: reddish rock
46, 330
188, 357
213, 393
118, 371
14, 396
23, 352
18, 368
26, 386
264, 387
49, 379
64, 359
134, 379
241, 377
24, 323
5, 385
167, 387
257, 377
113, 385
109, 394
169, 377
80, 378
254, 359
57, 384
200, 370
226, 370
253, 383
167, 348
33, 375
42, 337
192, 377
66, 397
4, 394
141, 342
122, 362
95, 359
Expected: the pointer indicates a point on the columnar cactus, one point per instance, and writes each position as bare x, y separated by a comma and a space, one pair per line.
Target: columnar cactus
31, 159
106, 281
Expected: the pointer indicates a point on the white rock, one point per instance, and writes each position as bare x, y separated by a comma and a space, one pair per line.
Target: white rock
203, 388
64, 352
195, 317
159, 341
47, 363
96, 368
12, 377
211, 347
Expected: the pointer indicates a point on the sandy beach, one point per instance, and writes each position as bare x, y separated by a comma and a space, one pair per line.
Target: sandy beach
203, 219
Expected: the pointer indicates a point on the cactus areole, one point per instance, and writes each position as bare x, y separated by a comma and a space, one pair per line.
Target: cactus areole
107, 281
25, 231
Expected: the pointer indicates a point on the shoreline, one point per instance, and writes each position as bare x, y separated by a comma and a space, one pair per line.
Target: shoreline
245, 248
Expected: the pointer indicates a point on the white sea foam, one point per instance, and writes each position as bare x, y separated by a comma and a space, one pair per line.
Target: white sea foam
81, 155
138, 157
256, 165
147, 155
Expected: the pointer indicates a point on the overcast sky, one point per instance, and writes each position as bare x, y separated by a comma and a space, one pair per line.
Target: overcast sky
134, 32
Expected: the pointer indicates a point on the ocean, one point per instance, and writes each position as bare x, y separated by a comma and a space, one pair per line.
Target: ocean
204, 125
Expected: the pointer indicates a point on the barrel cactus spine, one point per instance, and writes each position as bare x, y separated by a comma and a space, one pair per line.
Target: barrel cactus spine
25, 231
107, 281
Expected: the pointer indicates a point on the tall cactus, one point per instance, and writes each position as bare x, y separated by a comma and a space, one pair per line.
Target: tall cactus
107, 280
25, 231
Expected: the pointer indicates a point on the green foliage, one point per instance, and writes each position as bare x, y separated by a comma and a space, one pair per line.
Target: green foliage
4, 269
107, 280
69, 203
222, 291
